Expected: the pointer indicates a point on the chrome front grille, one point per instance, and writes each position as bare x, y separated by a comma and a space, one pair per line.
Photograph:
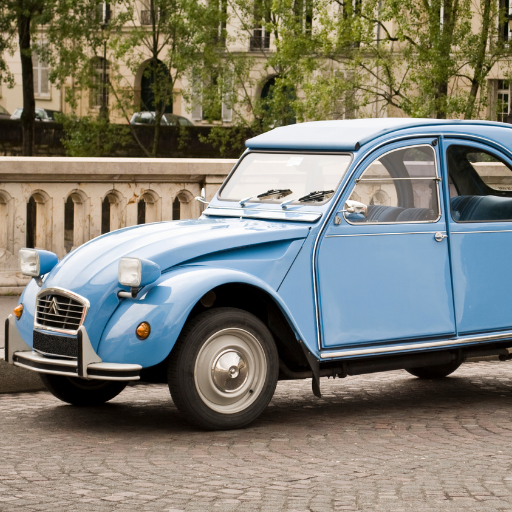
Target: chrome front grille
60, 311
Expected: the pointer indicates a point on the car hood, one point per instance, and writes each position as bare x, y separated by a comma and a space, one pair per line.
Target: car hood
91, 270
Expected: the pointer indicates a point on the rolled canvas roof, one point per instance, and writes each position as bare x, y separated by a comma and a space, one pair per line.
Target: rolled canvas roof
350, 134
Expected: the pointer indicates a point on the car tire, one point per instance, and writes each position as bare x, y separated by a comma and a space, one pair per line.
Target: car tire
437, 371
223, 369
77, 391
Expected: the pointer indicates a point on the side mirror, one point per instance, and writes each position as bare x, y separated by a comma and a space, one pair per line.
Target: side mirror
202, 197
355, 207
356, 212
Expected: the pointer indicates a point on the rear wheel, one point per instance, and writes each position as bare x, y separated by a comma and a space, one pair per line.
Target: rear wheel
80, 391
223, 370
437, 371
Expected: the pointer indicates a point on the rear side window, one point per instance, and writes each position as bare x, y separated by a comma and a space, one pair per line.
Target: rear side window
400, 186
480, 185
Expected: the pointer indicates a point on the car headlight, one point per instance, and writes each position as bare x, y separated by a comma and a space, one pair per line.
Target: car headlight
136, 272
36, 262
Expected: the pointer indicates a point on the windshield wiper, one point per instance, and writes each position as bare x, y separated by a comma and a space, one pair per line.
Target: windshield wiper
279, 192
316, 196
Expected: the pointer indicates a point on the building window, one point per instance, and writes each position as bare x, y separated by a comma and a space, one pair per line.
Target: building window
100, 75
145, 17
151, 14
504, 33
260, 39
104, 13
222, 13
303, 10
503, 101
41, 82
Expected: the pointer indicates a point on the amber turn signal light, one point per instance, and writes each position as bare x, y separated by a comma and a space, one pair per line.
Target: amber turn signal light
18, 311
143, 330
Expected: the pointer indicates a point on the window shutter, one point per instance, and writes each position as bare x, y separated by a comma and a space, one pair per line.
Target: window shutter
35, 72
197, 99
227, 99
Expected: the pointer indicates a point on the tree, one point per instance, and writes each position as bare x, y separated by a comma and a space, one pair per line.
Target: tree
165, 38
330, 59
433, 62
17, 17
281, 53
64, 33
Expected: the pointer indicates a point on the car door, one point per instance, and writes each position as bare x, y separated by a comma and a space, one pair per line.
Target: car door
382, 276
480, 224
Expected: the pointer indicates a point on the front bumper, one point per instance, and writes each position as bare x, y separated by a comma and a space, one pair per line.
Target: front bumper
88, 364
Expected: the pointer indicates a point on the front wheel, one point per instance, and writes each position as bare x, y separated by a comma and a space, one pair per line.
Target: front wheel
223, 370
77, 391
437, 371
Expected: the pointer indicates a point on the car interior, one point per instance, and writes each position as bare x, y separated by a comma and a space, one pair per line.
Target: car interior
471, 198
408, 179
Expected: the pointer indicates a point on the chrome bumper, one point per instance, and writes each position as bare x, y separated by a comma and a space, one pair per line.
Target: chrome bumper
88, 365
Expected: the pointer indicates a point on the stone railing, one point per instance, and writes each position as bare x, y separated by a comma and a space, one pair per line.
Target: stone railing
60, 203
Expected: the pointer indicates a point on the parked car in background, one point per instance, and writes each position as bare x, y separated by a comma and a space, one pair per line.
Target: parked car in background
148, 118
4, 114
42, 114
332, 249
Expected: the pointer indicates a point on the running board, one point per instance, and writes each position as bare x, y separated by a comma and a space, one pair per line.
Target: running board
454, 342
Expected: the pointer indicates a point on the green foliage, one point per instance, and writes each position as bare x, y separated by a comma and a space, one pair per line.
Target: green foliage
89, 136
335, 59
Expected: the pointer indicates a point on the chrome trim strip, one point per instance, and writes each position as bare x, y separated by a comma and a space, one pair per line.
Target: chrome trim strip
334, 205
263, 214
384, 234
66, 293
483, 231
358, 180
398, 348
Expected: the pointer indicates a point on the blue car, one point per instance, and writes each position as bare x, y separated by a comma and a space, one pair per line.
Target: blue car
332, 249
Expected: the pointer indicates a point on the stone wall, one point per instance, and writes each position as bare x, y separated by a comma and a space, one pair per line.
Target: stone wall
59, 203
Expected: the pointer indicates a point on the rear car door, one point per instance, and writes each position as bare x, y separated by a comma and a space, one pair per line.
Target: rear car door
480, 217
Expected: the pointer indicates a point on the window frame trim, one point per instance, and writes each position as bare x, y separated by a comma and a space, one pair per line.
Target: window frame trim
437, 179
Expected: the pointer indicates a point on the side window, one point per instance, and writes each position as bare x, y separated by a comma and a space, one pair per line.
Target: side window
480, 185
400, 186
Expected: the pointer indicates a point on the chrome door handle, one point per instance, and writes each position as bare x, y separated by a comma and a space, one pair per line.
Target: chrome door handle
438, 237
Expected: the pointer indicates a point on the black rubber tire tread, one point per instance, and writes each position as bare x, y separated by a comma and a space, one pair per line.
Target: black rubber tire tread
437, 371
70, 390
182, 362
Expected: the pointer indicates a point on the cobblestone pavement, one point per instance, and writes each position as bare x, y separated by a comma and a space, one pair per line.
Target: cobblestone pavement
383, 442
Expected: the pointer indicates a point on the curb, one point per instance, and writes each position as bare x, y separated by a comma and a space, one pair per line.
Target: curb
15, 380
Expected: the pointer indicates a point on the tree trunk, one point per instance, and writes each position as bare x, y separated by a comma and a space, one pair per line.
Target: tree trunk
478, 73
27, 74
441, 97
156, 138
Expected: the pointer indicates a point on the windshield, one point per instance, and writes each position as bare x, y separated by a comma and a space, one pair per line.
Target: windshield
297, 174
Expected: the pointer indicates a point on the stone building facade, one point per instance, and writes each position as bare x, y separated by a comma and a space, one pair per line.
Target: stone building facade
59, 203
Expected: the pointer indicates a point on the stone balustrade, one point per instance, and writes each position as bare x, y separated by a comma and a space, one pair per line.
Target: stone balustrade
60, 203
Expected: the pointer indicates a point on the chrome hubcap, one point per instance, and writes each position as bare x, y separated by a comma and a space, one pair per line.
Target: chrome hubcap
230, 371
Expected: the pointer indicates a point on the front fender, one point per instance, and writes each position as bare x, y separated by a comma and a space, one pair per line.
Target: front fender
166, 308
